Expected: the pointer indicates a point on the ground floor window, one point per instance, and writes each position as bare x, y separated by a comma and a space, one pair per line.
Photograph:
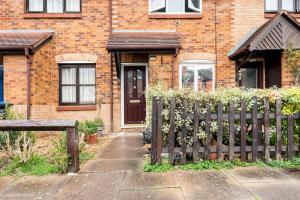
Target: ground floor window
197, 76
77, 84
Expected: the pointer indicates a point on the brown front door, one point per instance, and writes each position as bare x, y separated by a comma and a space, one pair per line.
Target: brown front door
134, 98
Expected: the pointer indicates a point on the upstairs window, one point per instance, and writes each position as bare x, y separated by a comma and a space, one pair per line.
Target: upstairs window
279, 5
53, 6
175, 6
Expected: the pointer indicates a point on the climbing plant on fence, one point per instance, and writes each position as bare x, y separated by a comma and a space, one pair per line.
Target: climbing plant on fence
230, 122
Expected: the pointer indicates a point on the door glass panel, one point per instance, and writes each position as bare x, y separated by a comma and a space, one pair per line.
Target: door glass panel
188, 77
205, 79
130, 84
139, 83
249, 78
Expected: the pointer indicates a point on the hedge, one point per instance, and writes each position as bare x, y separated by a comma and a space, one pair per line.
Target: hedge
290, 98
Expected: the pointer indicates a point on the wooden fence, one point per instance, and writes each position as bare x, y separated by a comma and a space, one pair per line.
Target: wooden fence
263, 149
71, 127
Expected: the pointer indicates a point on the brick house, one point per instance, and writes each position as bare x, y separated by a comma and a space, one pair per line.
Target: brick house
60, 59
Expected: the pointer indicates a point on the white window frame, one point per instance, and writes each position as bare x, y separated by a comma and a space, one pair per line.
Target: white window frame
197, 64
197, 11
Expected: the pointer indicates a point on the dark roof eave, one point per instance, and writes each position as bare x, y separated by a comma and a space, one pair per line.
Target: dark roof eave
238, 52
138, 49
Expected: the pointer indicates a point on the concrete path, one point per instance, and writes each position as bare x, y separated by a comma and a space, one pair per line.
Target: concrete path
116, 174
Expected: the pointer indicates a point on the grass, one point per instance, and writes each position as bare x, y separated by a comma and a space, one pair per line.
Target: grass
37, 166
220, 165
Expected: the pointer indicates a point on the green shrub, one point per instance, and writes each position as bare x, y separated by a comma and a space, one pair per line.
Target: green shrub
90, 127
290, 104
60, 156
37, 166
9, 114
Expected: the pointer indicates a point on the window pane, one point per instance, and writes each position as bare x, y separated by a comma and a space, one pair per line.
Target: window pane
73, 5
205, 79
68, 76
157, 5
36, 5
87, 94
249, 78
175, 6
271, 5
188, 77
194, 5
55, 6
68, 94
288, 5
87, 76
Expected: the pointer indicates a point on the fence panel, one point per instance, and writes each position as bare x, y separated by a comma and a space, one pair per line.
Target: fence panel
259, 146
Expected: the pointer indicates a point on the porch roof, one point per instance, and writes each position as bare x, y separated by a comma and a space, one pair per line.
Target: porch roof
275, 34
22, 39
143, 40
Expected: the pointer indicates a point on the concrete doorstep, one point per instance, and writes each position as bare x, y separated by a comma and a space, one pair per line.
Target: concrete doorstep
116, 174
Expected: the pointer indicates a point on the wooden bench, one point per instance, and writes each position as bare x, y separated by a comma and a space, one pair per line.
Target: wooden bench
71, 127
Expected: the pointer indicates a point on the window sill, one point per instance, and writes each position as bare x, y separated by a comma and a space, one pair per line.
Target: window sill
270, 15
77, 108
52, 16
175, 16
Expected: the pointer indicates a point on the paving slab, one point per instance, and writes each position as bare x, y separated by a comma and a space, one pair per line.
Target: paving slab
256, 174
275, 191
151, 194
293, 173
112, 165
5, 181
102, 185
211, 185
31, 187
139, 180
125, 146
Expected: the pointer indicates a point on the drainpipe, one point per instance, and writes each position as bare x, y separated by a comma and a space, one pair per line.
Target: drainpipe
28, 76
111, 73
216, 38
173, 67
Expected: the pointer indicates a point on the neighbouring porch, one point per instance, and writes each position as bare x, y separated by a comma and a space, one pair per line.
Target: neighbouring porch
141, 58
259, 55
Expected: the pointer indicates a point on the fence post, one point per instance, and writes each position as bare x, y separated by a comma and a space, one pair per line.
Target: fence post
154, 131
73, 148
159, 129
196, 131
207, 131
171, 131
290, 137
231, 131
184, 132
267, 129
278, 129
243, 131
254, 130
220, 132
